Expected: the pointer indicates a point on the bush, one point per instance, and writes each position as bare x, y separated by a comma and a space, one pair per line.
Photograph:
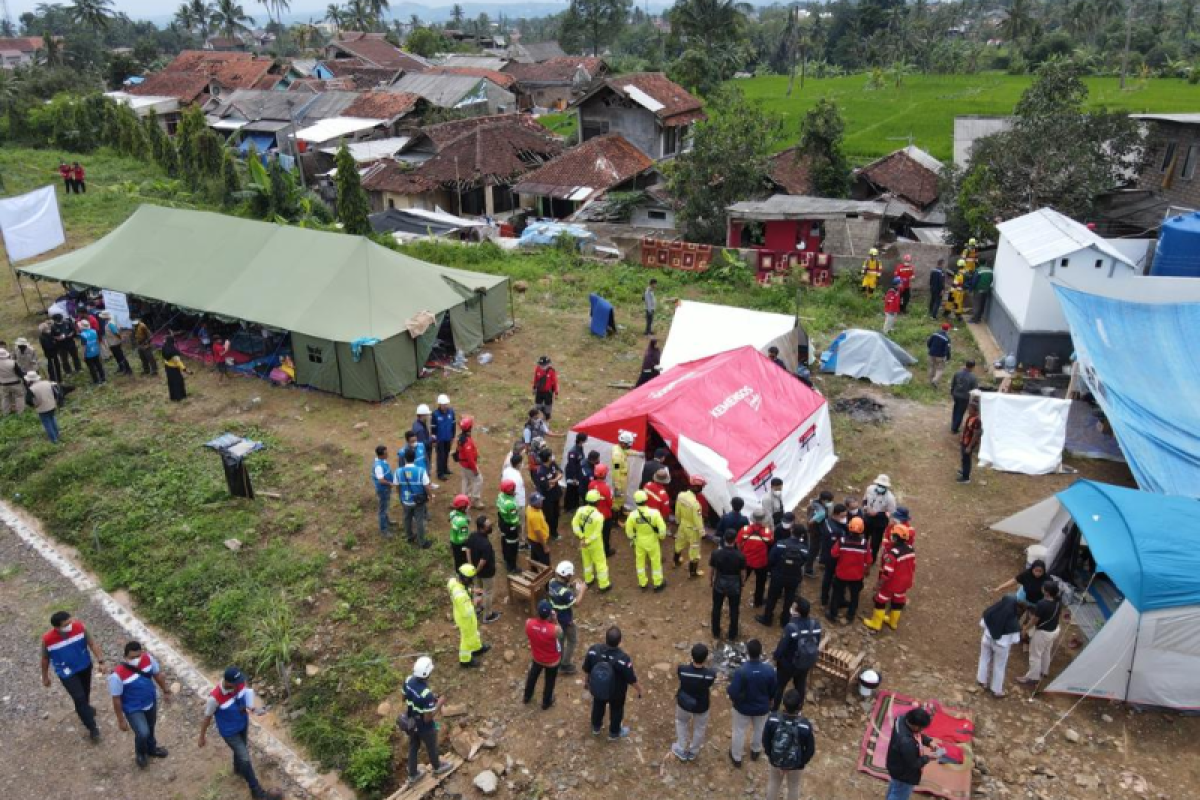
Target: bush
370, 766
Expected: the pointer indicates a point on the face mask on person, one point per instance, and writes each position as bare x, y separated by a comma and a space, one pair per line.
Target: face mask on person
880, 489
65, 628
133, 660
777, 492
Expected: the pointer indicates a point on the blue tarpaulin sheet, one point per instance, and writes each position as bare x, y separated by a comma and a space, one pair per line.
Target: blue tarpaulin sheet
603, 319
262, 142
1144, 542
548, 233
1143, 366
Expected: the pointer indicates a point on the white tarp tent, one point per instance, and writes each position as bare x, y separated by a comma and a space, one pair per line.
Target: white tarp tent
866, 354
30, 224
1148, 651
705, 329
1023, 433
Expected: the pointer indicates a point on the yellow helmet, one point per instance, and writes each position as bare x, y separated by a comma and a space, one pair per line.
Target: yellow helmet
467, 570
962, 262
593, 496
972, 241
640, 497
874, 251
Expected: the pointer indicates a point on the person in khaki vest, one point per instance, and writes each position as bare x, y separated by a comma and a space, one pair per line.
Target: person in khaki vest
12, 391
45, 403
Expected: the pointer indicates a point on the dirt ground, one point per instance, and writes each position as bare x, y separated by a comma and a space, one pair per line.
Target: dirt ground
48, 754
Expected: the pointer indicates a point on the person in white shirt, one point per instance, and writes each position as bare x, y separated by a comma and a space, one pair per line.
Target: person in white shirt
512, 472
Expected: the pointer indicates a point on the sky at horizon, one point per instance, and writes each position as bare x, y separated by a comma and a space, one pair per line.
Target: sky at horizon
157, 9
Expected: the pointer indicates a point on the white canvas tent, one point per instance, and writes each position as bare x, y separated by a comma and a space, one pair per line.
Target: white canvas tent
1148, 652
866, 354
705, 329
1023, 433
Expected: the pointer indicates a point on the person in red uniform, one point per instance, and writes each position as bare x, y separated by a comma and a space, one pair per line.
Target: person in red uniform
599, 484
467, 456
896, 572
905, 271
545, 386
755, 542
891, 306
64, 171
78, 176
852, 553
901, 519
656, 488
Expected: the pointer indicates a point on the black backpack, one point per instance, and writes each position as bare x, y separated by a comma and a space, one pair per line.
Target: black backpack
786, 752
602, 680
794, 556
808, 643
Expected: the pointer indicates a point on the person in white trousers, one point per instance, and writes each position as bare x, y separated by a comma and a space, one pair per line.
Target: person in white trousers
1043, 630
1001, 625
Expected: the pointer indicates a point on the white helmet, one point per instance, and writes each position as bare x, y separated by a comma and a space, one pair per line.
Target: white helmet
423, 668
443, 399
625, 438
565, 569
423, 410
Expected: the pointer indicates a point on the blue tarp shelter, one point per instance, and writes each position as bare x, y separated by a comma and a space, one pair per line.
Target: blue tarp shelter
1148, 545
866, 354
1141, 362
262, 142
604, 319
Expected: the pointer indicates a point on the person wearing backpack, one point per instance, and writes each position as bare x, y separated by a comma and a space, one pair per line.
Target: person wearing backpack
726, 565
797, 651
790, 745
751, 690
692, 703
609, 671
785, 563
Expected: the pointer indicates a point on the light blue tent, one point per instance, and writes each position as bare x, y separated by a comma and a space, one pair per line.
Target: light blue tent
866, 354
1142, 363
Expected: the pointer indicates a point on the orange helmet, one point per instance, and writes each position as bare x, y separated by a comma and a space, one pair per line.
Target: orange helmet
601, 471
901, 531
856, 525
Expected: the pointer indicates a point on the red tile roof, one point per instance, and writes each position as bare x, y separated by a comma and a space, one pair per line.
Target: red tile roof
556, 70
391, 176
382, 105
598, 164
446, 132
501, 79
188, 75
790, 173
679, 107
187, 87
254, 74
496, 154
23, 44
204, 60
380, 53
903, 175
362, 74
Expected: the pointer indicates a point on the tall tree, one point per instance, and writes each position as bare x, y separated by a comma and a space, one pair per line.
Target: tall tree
202, 14
457, 15
599, 20
359, 16
706, 179
230, 18
352, 206
709, 22
94, 14
821, 132
335, 15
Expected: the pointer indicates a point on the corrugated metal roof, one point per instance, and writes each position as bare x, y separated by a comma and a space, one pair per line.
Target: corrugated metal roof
329, 129
1045, 235
441, 90
788, 206
1183, 119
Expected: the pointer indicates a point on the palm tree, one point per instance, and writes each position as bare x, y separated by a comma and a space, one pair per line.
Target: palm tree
707, 22
1187, 16
10, 89
94, 14
359, 16
457, 15
183, 15
335, 15
1019, 22
230, 18
378, 9
414, 22
202, 14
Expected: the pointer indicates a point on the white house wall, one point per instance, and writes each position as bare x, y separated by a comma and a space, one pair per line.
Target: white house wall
1013, 281
1044, 312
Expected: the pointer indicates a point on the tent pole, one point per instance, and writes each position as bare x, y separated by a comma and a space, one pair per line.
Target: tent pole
1133, 658
512, 305
17, 281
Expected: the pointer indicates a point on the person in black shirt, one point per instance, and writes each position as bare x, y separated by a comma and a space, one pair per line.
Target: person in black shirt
651, 467
623, 677
692, 703
483, 557
789, 664
576, 481
785, 561
725, 576
64, 333
833, 529
548, 479
905, 761
1043, 630
788, 763
1030, 580
732, 520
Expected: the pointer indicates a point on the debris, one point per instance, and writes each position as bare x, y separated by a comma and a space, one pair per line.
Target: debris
454, 710
311, 670
509, 656
273, 495
487, 782
360, 426
861, 409
1072, 735
320, 468
233, 544
384, 709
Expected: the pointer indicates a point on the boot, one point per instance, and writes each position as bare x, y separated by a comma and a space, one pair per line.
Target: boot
694, 569
875, 623
677, 559
893, 619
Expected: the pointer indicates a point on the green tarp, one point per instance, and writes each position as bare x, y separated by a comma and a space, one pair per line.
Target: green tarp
326, 289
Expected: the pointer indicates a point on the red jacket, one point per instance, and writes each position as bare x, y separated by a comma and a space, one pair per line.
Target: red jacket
853, 555
887, 533
660, 498
545, 379
891, 301
65, 171
755, 543
905, 272
606, 497
897, 568
77, 173
468, 453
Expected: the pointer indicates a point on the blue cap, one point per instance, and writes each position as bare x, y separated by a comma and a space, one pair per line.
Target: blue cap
536, 500
234, 675
544, 609
900, 514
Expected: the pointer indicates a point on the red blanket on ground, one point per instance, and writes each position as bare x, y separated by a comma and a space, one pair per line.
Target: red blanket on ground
952, 728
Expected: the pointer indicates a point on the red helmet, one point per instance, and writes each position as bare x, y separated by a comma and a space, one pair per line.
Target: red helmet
699, 481
601, 471
508, 486
461, 501
467, 423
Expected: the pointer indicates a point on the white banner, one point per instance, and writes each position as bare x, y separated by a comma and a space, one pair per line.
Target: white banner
118, 305
30, 224
1023, 433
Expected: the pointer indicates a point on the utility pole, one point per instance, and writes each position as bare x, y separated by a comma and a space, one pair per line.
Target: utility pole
1128, 36
6, 18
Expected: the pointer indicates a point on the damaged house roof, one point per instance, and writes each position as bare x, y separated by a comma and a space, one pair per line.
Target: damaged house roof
585, 171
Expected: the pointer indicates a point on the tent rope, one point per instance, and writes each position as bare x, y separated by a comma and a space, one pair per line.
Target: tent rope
1058, 642
1042, 739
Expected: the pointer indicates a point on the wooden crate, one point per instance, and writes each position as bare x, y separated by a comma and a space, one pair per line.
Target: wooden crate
841, 665
530, 584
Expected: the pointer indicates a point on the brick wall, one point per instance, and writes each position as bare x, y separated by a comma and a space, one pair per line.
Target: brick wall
1171, 185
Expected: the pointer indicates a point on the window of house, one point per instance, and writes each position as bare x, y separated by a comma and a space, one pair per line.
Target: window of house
391, 203
315, 354
1168, 157
1189, 162
1099, 263
1064, 263
593, 128
659, 215
670, 141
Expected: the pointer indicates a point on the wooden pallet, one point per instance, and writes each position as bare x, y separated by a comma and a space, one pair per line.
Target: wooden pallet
841, 665
530, 584
427, 783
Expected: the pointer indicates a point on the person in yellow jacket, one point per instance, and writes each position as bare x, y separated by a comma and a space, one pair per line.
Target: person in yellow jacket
970, 255
588, 525
646, 529
872, 268
689, 515
956, 297
464, 603
620, 469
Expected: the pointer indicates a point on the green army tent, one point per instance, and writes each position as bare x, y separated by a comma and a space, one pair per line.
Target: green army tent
328, 290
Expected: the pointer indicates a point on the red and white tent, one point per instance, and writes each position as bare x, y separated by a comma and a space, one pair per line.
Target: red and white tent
735, 418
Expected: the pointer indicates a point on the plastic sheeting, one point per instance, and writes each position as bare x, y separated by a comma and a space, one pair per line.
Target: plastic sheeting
867, 354
544, 233
31, 224
1023, 433
603, 319
704, 329
1141, 362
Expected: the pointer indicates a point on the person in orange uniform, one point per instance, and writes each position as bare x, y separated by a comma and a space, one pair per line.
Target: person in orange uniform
467, 456
545, 386
656, 490
872, 269
755, 542
599, 483
905, 271
896, 573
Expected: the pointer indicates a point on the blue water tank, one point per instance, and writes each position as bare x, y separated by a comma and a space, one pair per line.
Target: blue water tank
1178, 251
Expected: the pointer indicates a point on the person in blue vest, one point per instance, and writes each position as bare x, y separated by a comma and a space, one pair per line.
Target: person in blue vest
445, 426
413, 442
413, 483
91, 352
230, 705
135, 701
66, 646
422, 707
384, 480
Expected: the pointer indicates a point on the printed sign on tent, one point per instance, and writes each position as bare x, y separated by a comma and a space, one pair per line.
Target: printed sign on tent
117, 303
30, 224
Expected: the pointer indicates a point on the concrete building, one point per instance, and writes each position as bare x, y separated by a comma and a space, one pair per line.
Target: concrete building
969, 128
652, 112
